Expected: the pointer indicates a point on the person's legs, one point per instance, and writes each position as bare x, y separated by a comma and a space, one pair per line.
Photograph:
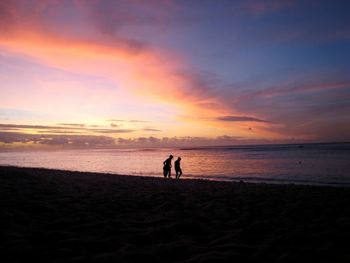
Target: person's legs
180, 173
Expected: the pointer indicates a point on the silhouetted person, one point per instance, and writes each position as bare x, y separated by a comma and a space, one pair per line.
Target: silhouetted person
167, 167
178, 168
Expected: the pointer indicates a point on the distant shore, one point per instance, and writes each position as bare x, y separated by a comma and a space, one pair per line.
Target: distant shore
61, 216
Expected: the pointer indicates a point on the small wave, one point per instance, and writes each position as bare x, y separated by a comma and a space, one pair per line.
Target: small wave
271, 180
148, 150
275, 147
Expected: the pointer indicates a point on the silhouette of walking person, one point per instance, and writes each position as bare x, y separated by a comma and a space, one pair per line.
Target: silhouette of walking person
178, 168
167, 167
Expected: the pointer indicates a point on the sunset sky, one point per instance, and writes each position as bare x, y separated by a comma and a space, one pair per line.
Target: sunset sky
100, 73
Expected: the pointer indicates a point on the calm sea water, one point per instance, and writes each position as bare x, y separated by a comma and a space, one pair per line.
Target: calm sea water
308, 163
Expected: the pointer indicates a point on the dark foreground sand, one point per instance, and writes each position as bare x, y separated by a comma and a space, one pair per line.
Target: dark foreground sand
58, 216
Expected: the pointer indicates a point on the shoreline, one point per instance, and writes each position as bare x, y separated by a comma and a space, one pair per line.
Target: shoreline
60, 216
225, 179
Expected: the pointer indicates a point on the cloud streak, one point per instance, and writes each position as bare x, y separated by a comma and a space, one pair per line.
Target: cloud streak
239, 119
25, 126
80, 125
151, 129
296, 89
62, 129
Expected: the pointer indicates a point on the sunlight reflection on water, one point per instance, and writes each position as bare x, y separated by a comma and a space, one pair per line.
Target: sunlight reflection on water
316, 163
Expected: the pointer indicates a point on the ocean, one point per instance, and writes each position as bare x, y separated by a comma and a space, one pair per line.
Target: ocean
316, 163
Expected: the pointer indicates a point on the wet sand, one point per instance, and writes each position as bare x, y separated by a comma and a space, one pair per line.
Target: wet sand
60, 216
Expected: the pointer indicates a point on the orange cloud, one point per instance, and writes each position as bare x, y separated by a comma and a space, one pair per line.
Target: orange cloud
145, 73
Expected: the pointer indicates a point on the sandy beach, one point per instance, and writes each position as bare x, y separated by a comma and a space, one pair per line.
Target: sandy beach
60, 216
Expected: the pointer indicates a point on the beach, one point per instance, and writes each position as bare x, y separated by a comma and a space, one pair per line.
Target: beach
61, 216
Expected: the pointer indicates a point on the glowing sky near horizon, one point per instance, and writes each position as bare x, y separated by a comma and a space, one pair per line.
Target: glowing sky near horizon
163, 72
